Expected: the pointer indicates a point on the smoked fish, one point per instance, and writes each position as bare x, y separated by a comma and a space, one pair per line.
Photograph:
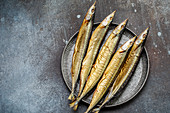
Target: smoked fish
80, 47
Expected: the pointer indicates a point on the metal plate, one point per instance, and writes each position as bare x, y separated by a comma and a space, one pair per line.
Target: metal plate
134, 85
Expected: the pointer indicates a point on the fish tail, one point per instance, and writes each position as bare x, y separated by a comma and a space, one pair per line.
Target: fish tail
71, 97
74, 105
96, 110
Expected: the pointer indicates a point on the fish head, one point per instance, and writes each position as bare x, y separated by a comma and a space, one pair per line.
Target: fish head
120, 27
108, 19
142, 37
91, 12
127, 45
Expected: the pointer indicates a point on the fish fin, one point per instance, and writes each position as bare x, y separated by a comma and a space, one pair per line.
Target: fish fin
71, 97
74, 105
96, 110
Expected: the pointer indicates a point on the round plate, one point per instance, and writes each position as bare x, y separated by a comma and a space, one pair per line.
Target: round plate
134, 85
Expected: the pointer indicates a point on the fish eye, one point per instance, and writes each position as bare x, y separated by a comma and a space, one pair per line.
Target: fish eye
122, 26
138, 41
88, 17
124, 47
111, 18
131, 42
144, 35
92, 10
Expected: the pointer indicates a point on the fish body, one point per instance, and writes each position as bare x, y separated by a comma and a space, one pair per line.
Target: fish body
92, 50
80, 47
127, 69
111, 72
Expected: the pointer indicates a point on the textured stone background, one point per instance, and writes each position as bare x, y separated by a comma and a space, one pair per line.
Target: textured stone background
33, 34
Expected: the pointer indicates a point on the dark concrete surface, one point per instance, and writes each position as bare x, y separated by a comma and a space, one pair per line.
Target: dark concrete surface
33, 34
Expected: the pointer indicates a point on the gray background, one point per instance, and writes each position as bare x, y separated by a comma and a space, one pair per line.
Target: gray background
33, 34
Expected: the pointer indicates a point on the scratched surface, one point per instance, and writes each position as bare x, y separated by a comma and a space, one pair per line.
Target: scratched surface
33, 34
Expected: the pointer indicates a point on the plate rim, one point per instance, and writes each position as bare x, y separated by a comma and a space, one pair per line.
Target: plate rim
123, 102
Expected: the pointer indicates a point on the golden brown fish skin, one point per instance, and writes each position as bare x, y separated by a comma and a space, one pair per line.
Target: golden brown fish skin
93, 48
107, 50
111, 72
80, 47
127, 69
